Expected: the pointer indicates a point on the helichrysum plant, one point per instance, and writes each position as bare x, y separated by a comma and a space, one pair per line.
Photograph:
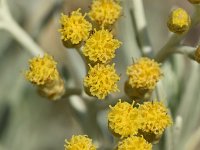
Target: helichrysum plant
135, 118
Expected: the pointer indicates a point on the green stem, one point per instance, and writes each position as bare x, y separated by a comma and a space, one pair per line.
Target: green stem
140, 24
8, 23
70, 92
186, 50
83, 58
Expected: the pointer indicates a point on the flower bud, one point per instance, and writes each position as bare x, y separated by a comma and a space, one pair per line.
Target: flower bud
44, 74
179, 21
82, 142
124, 119
101, 80
134, 143
74, 28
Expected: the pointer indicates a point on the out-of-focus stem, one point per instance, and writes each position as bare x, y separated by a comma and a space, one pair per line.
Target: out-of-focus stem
70, 92
186, 50
88, 121
83, 58
169, 47
8, 23
169, 144
23, 38
177, 129
141, 28
194, 140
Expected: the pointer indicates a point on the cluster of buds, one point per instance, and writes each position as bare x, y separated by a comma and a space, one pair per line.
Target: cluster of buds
139, 123
96, 43
149, 118
131, 122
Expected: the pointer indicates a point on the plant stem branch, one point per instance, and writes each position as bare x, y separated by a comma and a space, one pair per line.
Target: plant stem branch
175, 39
23, 38
83, 58
70, 91
194, 140
8, 23
186, 50
141, 28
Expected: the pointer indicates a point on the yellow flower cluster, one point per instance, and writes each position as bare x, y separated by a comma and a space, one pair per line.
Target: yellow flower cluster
101, 46
101, 80
75, 27
42, 70
123, 119
179, 21
134, 143
155, 117
144, 73
105, 12
79, 142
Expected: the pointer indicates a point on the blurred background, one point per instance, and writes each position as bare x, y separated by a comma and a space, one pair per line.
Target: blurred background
31, 122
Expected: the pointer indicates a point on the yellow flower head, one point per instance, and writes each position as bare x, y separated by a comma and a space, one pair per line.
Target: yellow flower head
79, 142
123, 119
197, 54
105, 12
42, 70
74, 27
155, 117
101, 80
144, 73
101, 46
179, 21
134, 143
